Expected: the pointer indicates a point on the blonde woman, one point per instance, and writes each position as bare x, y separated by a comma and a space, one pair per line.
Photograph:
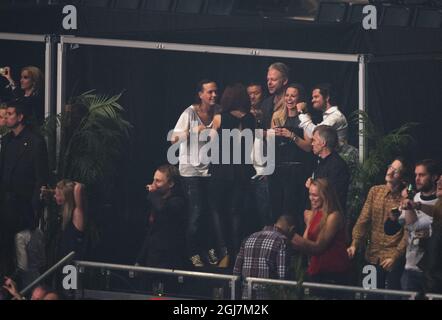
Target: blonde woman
29, 91
70, 196
324, 238
294, 161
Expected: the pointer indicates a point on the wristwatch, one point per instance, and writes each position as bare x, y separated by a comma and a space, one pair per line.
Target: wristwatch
295, 137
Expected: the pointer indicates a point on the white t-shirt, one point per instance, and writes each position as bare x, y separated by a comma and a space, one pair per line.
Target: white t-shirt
332, 118
414, 251
190, 157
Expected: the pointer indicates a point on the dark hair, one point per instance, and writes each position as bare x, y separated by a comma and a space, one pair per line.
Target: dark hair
329, 135
172, 172
235, 97
255, 84
20, 109
431, 165
200, 88
289, 220
301, 90
327, 91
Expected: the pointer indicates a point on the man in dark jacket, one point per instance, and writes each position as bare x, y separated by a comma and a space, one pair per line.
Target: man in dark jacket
23, 171
164, 245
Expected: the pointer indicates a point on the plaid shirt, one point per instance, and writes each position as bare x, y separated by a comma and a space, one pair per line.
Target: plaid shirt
371, 222
264, 254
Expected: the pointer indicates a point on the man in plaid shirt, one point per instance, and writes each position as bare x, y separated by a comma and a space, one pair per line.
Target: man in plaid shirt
265, 254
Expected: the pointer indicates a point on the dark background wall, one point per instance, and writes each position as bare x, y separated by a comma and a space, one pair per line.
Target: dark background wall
159, 85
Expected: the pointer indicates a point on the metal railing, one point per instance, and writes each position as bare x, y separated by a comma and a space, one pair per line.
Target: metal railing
171, 272
310, 285
47, 273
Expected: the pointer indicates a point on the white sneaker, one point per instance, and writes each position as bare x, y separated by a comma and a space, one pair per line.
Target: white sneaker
196, 261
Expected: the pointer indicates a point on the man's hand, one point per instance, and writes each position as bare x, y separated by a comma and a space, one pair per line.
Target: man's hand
301, 107
151, 188
423, 234
407, 204
387, 264
351, 251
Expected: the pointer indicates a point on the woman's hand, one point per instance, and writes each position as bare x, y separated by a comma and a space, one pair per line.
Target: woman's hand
297, 242
283, 132
7, 73
46, 193
11, 287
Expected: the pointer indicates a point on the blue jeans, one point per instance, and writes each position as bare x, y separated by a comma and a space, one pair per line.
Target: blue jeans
196, 189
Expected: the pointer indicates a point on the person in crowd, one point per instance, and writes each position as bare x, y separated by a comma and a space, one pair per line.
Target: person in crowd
23, 171
266, 254
277, 80
330, 165
195, 172
418, 224
230, 182
324, 100
430, 261
256, 95
293, 158
40, 292
71, 197
30, 91
384, 252
164, 244
324, 238
3, 127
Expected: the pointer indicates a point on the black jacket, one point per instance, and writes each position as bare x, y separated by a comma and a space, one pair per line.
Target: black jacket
164, 244
29, 171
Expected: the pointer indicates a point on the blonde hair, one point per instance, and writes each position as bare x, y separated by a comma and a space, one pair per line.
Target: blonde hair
330, 202
36, 76
280, 115
67, 188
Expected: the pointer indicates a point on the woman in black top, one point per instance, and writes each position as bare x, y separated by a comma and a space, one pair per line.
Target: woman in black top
29, 92
230, 181
70, 196
293, 158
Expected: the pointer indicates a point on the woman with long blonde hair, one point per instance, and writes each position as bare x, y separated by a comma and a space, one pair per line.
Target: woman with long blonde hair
324, 238
30, 91
293, 160
70, 196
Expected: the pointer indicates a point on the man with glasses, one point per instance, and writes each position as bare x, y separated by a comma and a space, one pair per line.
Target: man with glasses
383, 251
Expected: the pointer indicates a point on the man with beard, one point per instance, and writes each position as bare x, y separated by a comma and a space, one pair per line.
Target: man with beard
417, 223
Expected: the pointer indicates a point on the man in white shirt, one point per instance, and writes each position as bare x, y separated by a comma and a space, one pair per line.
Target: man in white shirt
417, 223
323, 99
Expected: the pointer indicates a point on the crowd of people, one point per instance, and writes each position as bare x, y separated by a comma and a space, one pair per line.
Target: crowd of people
234, 213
